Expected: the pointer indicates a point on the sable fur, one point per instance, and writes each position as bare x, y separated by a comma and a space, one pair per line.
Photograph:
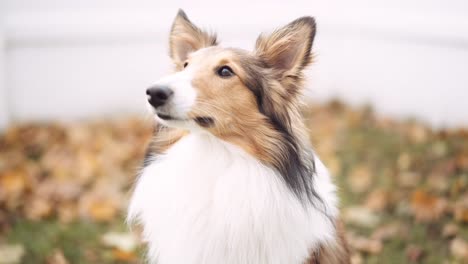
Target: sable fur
335, 253
258, 110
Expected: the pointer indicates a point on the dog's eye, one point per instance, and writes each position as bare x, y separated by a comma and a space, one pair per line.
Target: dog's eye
225, 71
185, 64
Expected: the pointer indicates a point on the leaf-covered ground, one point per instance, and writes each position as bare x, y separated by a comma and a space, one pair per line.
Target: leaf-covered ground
403, 187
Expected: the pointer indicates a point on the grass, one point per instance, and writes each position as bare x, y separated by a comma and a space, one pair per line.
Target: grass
79, 241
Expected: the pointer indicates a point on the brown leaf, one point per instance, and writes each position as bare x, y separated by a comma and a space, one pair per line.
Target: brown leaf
417, 133
462, 161
459, 186
426, 207
38, 208
12, 183
387, 232
366, 245
67, 212
57, 257
356, 258
450, 230
409, 179
360, 179
377, 200
414, 253
461, 210
438, 182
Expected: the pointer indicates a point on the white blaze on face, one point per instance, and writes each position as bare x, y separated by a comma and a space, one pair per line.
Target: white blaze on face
184, 95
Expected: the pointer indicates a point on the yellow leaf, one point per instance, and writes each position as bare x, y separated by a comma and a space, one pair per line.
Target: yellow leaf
103, 210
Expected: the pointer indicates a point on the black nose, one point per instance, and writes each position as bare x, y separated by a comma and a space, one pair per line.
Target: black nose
158, 95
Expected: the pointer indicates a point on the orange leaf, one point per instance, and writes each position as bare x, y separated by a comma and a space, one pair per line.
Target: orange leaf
426, 207
123, 255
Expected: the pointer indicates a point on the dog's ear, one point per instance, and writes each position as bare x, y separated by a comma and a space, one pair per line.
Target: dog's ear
288, 49
185, 38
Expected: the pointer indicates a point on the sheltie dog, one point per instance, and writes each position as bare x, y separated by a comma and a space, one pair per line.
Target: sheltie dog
230, 176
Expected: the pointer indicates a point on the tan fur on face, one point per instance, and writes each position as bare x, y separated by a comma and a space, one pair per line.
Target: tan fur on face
230, 103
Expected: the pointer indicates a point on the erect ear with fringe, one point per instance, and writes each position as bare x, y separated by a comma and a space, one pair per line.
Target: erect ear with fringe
288, 49
185, 38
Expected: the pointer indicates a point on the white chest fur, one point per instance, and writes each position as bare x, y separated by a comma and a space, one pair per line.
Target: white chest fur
207, 201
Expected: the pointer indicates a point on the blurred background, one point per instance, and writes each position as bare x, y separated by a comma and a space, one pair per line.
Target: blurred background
387, 112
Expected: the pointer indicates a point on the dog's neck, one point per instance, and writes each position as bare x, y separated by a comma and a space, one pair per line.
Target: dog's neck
209, 201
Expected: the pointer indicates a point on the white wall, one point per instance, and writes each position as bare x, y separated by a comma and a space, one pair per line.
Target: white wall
4, 109
72, 59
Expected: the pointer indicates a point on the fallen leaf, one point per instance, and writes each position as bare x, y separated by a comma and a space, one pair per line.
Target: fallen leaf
12, 183
403, 208
38, 208
460, 210
360, 179
414, 253
387, 232
450, 230
67, 212
462, 161
334, 166
459, 186
459, 248
409, 179
57, 257
99, 206
125, 256
366, 245
123, 241
418, 133
102, 210
439, 148
11, 254
426, 207
377, 200
438, 182
361, 216
356, 258
404, 161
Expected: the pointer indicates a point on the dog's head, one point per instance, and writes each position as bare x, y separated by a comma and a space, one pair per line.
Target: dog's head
225, 90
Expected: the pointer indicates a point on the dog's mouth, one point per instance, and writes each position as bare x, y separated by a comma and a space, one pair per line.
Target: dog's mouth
167, 117
203, 121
